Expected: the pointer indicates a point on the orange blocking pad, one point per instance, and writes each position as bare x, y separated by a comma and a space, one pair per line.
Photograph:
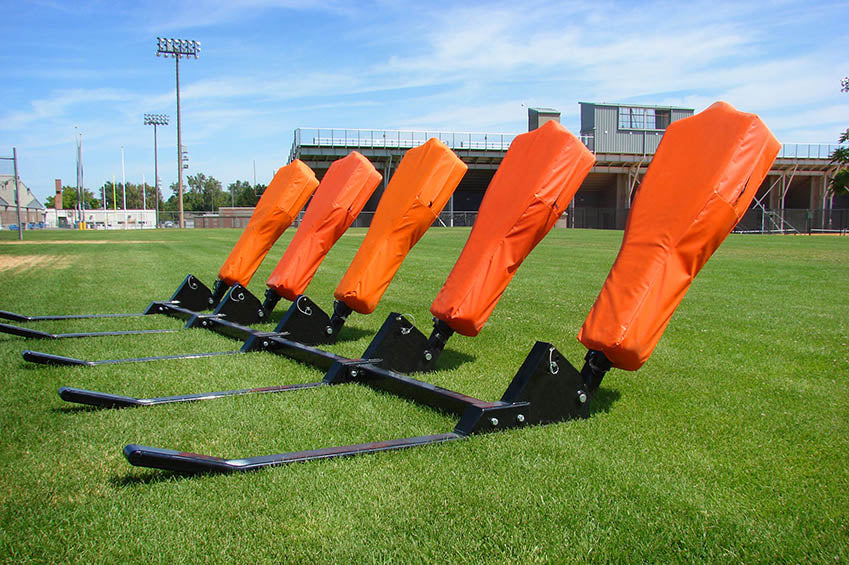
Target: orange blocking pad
421, 186
344, 190
537, 179
281, 202
701, 181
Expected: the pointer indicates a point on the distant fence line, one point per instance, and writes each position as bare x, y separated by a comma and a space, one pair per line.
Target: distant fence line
789, 220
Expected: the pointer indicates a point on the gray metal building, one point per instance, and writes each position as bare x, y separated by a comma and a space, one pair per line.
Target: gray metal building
32, 211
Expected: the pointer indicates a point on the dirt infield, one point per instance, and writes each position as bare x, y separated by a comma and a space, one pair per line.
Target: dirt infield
24, 262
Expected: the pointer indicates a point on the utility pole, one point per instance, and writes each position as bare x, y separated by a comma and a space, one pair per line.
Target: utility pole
14, 159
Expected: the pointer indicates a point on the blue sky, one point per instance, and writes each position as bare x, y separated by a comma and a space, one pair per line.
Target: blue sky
270, 66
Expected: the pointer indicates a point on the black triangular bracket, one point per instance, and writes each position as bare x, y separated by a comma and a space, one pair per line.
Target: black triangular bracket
240, 307
192, 294
307, 323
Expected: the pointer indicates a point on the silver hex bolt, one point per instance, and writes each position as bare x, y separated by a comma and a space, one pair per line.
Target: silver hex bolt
265, 343
582, 397
354, 373
428, 356
204, 323
520, 418
493, 421
328, 330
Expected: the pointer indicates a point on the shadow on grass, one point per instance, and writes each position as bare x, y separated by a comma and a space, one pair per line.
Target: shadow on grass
76, 409
352, 334
450, 359
154, 476
603, 400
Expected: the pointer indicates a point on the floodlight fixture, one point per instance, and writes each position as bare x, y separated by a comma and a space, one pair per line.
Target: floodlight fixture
844, 84
178, 48
156, 119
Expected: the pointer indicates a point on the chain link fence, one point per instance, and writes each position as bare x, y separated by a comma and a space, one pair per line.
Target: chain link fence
756, 220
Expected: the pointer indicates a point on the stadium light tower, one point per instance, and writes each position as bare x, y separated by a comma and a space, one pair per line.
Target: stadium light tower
178, 48
155, 120
844, 84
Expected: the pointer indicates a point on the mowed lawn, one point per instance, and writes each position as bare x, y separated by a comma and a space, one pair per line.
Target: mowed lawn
730, 444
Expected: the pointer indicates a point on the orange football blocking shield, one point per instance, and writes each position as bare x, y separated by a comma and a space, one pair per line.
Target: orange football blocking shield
281, 202
537, 179
700, 182
346, 187
421, 186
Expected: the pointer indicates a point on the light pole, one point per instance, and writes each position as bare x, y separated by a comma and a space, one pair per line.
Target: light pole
178, 48
156, 120
124, 185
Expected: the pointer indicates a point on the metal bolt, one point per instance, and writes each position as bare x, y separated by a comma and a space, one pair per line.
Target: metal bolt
204, 323
582, 397
265, 343
354, 373
162, 308
328, 330
493, 421
210, 300
428, 356
260, 313
520, 418
397, 318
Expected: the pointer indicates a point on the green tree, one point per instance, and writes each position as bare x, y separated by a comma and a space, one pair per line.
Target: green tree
135, 201
69, 199
203, 193
840, 181
245, 194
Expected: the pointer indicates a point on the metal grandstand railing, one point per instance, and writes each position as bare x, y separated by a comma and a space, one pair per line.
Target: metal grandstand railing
402, 139
486, 141
807, 150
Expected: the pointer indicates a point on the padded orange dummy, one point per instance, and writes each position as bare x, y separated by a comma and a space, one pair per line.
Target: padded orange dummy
338, 200
537, 179
421, 186
699, 184
287, 193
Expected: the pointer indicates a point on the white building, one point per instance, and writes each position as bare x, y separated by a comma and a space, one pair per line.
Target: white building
102, 219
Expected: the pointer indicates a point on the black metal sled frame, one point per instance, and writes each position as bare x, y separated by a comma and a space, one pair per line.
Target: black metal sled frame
190, 297
38, 334
304, 321
106, 400
546, 389
398, 346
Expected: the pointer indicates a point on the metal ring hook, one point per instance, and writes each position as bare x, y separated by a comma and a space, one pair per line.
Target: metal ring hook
306, 311
405, 331
552, 364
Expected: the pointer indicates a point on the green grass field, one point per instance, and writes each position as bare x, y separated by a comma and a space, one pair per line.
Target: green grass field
729, 445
